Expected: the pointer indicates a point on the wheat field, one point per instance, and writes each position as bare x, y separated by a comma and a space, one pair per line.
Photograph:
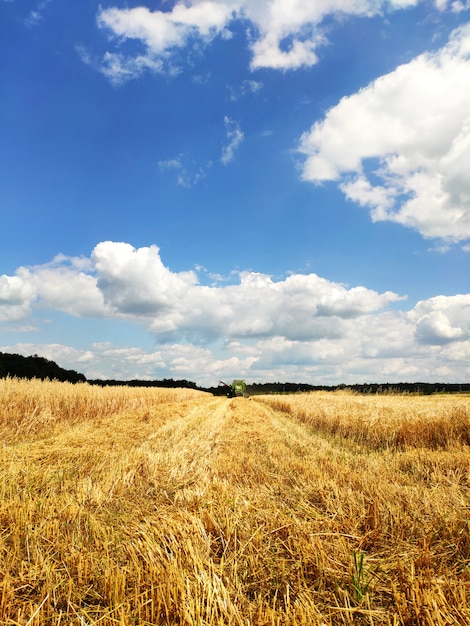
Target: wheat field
147, 506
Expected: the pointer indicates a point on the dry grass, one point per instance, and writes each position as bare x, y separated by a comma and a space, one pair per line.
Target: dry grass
164, 507
389, 421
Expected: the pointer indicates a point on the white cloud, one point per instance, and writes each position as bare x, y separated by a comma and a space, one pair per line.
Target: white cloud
188, 172
16, 297
282, 34
103, 360
36, 15
442, 320
234, 136
64, 284
34, 18
437, 328
66, 356
246, 88
303, 327
119, 68
401, 145
171, 164
23, 329
127, 283
135, 281
456, 6
161, 32
199, 79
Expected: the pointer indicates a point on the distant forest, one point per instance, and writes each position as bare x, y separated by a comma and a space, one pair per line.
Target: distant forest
372, 388
15, 365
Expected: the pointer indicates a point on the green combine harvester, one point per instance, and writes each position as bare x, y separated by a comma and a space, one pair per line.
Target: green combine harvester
236, 389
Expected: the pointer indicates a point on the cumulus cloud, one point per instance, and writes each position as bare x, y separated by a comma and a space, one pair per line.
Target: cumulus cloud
105, 360
288, 33
162, 33
66, 284
401, 145
126, 282
16, 297
303, 327
442, 320
135, 281
161, 30
282, 34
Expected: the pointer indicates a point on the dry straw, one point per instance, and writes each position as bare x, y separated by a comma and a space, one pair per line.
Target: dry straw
165, 507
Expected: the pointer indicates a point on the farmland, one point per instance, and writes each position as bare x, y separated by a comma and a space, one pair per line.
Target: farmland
139, 506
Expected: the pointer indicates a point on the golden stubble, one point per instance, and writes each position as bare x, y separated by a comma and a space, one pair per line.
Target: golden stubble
156, 506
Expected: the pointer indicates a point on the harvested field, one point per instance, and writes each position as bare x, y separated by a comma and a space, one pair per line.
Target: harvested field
164, 507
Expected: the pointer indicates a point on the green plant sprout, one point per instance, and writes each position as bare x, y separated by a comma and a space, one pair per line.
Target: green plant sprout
360, 578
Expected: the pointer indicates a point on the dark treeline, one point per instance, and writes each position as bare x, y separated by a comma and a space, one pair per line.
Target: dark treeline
166, 382
422, 388
15, 365
373, 388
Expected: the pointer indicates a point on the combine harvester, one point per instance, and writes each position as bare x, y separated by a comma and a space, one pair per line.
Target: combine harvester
236, 389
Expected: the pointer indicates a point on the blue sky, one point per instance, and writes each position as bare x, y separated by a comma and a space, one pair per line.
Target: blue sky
267, 189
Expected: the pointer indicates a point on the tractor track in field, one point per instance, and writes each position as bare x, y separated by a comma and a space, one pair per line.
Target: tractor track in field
236, 440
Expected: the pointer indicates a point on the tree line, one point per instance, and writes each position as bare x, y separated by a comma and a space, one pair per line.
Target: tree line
16, 365
371, 388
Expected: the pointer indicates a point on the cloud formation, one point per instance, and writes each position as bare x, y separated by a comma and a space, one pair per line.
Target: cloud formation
398, 147
247, 87
401, 145
188, 172
36, 15
16, 297
234, 136
162, 33
282, 34
303, 327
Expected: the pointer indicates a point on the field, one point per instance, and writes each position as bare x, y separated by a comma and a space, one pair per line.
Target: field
164, 507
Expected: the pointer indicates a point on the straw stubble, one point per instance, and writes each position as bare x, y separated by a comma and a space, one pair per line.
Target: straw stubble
154, 506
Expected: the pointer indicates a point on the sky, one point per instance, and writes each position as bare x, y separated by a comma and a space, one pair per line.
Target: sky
275, 190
